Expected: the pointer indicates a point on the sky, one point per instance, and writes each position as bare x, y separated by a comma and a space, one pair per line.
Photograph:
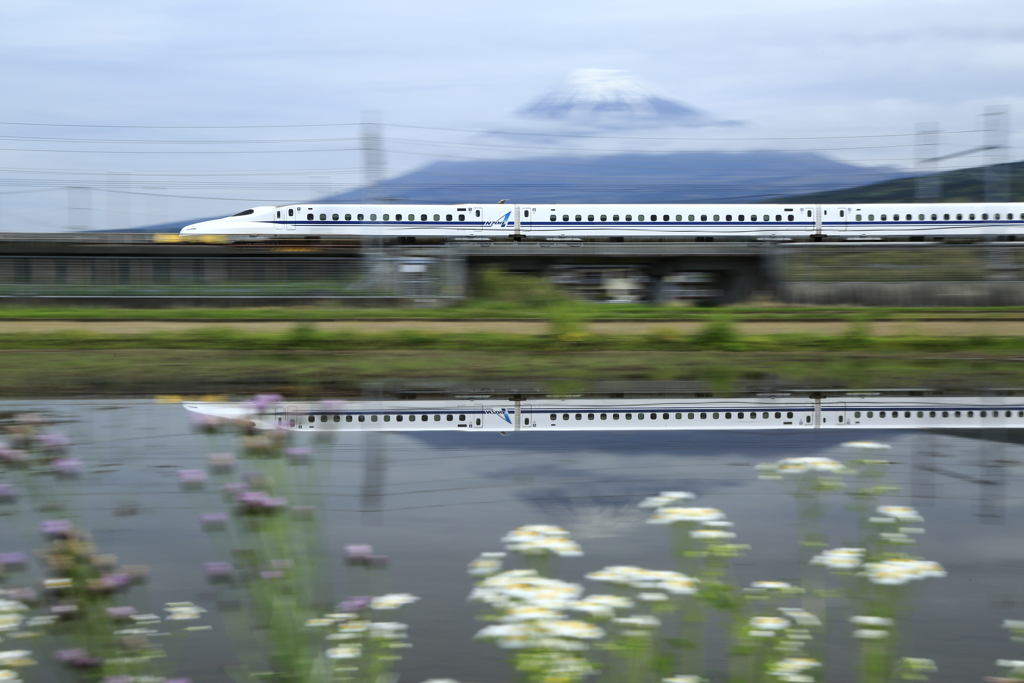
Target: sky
164, 110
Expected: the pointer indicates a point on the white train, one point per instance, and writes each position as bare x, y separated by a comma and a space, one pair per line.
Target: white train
410, 223
674, 414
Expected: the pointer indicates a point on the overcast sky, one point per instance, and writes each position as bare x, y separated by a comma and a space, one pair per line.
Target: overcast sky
792, 70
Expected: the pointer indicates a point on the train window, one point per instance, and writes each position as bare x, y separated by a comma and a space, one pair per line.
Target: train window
462, 418
920, 217
945, 413
920, 413
398, 216
615, 217
639, 416
323, 418
334, 217
689, 416
604, 217
881, 413
679, 218
579, 416
665, 218
970, 413
554, 218
590, 218
664, 416
789, 415
857, 414
984, 413
728, 416
714, 415
931, 414
278, 214
309, 216
526, 213
323, 216
959, 216
578, 218
996, 217
679, 416
791, 217
478, 213
654, 217
348, 216
871, 216
450, 418
945, 216
906, 414
362, 418
971, 217
871, 414
715, 217
629, 416
703, 416
373, 216
423, 216
767, 218
1009, 216
373, 418
590, 416
909, 217
740, 217
348, 418
935, 217
703, 217
629, 217
387, 418
615, 416
842, 213
778, 415
462, 216
883, 217
690, 217
728, 216
291, 212
604, 416
565, 217
778, 217
313, 418
565, 416
423, 418
447, 216
359, 217
739, 416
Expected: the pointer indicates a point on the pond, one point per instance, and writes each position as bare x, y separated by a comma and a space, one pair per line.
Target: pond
139, 478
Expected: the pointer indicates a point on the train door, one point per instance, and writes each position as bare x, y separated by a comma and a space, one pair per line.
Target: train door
290, 224
526, 218
842, 215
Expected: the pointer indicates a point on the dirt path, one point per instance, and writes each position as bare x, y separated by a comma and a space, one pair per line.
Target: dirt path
933, 328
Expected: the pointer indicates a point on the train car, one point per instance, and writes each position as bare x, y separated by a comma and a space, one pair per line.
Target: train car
411, 223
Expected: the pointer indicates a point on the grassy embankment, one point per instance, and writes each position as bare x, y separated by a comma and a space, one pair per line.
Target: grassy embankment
312, 361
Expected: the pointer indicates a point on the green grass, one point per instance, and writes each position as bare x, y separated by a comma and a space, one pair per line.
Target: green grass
506, 310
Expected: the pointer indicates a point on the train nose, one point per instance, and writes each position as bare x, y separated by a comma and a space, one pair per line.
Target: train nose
201, 228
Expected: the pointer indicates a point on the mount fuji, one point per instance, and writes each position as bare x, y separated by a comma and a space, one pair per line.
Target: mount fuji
607, 99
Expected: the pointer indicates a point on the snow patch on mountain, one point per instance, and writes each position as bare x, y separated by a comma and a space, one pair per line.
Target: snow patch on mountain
612, 99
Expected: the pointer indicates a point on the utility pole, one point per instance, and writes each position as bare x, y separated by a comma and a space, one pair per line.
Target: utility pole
373, 174
997, 151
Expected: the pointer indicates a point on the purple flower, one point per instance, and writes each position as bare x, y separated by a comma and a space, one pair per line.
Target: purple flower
68, 656
13, 456
64, 610
358, 554
53, 442
8, 494
272, 574
233, 488
218, 571
214, 521
191, 478
109, 583
67, 467
120, 613
355, 604
259, 501
56, 528
16, 560
299, 454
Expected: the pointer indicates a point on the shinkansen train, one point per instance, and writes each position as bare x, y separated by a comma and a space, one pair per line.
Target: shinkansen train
408, 223
672, 414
